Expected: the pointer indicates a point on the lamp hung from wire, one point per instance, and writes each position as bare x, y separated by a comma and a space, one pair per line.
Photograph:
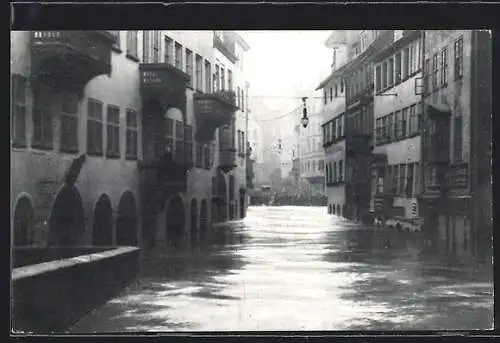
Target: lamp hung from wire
304, 120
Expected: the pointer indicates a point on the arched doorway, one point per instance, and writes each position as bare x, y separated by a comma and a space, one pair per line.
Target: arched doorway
220, 199
232, 207
242, 203
102, 231
203, 220
175, 221
126, 222
194, 220
24, 220
67, 220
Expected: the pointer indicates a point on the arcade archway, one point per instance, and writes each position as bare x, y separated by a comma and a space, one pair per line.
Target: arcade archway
126, 222
67, 220
194, 220
175, 221
24, 220
102, 231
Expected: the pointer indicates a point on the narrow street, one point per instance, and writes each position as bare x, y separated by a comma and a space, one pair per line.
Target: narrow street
297, 268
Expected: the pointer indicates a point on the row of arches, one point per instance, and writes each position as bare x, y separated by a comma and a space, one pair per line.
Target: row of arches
336, 209
67, 220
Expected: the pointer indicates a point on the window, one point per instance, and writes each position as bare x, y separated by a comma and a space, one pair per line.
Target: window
341, 170
324, 96
390, 75
313, 166
216, 86
335, 172
342, 85
340, 126
151, 46
189, 65
113, 131
331, 94
169, 137
409, 179
242, 100
384, 75
199, 76
432, 175
444, 67
321, 165
238, 97
42, 118
333, 129
413, 58
404, 121
179, 141
399, 124
378, 84
384, 130
427, 76
188, 143
206, 156
132, 44
414, 117
230, 80
239, 141
457, 139
94, 127
178, 56
398, 67
169, 50
435, 71
459, 58
131, 134
336, 90
390, 127
208, 77
69, 122
222, 79
18, 110
402, 178
406, 62
199, 155
394, 179
378, 130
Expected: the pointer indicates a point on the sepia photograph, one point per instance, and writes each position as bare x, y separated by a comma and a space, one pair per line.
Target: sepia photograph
259, 180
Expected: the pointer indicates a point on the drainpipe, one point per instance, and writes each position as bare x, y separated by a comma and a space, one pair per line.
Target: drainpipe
423, 130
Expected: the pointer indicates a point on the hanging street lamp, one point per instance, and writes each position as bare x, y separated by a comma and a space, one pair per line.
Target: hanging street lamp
304, 120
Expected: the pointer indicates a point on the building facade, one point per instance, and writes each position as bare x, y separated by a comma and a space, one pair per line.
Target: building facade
358, 49
125, 137
397, 109
311, 154
456, 141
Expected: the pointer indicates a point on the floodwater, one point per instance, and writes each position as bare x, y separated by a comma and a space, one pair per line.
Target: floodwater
298, 268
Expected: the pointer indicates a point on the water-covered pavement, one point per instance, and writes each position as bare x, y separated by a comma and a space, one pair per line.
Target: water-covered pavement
297, 268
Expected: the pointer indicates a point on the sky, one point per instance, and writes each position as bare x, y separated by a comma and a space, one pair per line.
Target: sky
286, 63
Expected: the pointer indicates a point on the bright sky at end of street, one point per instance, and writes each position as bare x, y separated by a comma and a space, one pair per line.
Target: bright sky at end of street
286, 63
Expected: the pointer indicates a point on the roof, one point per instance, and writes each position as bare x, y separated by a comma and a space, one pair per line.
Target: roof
240, 40
368, 52
408, 37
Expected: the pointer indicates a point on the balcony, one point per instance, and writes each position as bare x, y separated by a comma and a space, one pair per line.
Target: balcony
70, 58
171, 163
213, 111
457, 177
164, 83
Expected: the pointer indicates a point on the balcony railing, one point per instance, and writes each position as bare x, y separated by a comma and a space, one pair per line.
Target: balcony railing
458, 176
72, 55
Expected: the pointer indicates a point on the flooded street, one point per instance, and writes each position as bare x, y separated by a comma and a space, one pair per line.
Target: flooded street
297, 268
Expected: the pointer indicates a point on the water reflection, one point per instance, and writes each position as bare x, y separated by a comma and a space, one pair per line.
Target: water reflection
296, 268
